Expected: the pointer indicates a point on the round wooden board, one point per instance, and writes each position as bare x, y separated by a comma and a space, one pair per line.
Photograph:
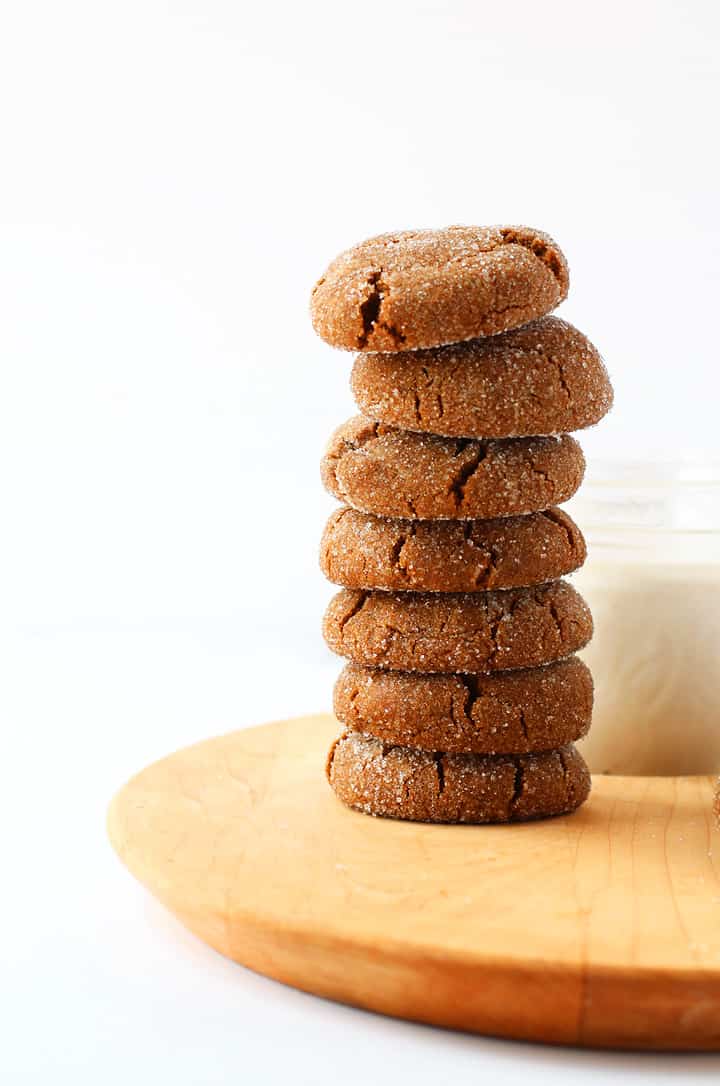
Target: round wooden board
600, 928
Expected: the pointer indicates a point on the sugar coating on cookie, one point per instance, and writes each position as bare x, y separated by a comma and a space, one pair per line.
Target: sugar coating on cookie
397, 782
507, 712
543, 378
424, 288
360, 550
399, 473
458, 632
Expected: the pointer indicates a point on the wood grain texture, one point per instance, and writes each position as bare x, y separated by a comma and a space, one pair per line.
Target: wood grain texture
601, 928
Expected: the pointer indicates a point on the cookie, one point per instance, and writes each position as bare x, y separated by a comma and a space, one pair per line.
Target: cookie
423, 288
398, 782
359, 550
509, 712
465, 632
543, 378
399, 473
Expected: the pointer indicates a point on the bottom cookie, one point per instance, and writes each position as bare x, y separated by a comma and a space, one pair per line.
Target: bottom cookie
421, 786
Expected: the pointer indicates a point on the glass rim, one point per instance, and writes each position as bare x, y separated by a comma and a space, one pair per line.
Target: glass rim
650, 498
651, 473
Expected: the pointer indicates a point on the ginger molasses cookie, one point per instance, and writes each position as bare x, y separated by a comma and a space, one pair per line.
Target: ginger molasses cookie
399, 473
423, 288
543, 378
398, 782
458, 632
508, 712
359, 550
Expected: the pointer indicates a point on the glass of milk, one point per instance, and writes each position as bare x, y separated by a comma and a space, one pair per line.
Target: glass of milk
652, 580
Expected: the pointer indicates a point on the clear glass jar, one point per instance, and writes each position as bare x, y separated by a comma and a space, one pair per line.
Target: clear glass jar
652, 580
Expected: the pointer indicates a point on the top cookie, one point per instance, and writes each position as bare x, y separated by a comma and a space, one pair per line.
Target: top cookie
426, 288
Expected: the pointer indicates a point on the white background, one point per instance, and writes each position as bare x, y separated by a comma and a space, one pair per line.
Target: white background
173, 177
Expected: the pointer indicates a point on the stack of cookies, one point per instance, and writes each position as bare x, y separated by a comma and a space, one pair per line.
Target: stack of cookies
463, 696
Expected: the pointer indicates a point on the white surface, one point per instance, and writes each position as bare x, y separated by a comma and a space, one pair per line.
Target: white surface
173, 179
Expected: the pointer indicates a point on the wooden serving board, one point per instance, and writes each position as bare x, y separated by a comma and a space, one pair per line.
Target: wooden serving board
600, 928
